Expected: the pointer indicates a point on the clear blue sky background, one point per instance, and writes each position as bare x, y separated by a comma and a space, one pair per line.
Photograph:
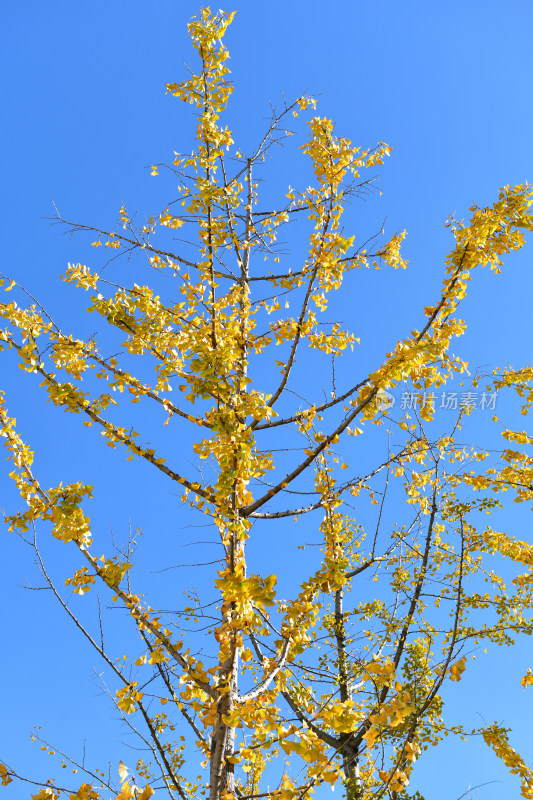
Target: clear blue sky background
448, 85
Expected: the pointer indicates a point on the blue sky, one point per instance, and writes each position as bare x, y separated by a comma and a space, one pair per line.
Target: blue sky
448, 85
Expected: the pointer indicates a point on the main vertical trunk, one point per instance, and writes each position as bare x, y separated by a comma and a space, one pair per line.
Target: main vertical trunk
350, 755
222, 772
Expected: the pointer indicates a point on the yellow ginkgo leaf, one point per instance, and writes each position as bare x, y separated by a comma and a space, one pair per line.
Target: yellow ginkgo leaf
4, 775
527, 679
457, 669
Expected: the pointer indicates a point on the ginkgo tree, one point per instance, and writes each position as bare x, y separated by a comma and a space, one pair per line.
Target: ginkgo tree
322, 687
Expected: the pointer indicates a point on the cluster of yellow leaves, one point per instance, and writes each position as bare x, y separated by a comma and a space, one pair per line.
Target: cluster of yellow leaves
131, 791
169, 221
498, 739
87, 792
128, 698
391, 252
81, 581
396, 779
60, 505
210, 90
245, 593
